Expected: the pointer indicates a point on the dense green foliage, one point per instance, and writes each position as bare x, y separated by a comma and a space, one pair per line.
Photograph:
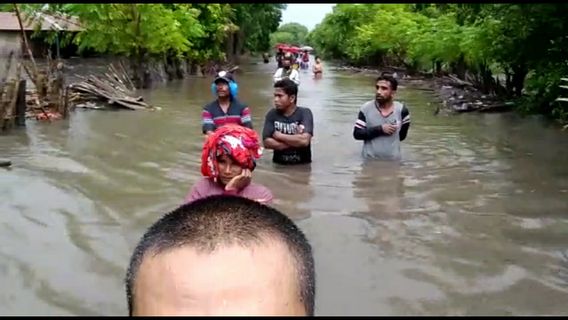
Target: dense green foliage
290, 33
256, 22
514, 50
200, 34
197, 32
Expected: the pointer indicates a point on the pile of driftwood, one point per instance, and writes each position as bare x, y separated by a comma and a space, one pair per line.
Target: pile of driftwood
114, 88
462, 96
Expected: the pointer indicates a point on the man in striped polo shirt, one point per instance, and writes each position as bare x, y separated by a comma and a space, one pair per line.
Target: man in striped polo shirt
226, 109
382, 122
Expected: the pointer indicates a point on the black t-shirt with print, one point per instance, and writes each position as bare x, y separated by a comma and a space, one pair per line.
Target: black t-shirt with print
275, 120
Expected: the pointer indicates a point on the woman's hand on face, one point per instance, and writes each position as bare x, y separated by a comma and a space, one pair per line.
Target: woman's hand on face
240, 181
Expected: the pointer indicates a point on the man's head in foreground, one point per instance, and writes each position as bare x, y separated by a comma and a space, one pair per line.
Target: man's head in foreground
222, 255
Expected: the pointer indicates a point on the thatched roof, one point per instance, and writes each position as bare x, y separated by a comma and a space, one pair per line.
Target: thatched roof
9, 22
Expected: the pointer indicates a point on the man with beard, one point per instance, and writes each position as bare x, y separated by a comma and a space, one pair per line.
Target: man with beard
287, 71
382, 123
226, 109
288, 128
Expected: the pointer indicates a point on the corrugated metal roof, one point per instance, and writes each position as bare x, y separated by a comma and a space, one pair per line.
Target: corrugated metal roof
9, 22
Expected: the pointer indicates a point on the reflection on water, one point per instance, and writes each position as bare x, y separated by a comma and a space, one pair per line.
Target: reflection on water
473, 221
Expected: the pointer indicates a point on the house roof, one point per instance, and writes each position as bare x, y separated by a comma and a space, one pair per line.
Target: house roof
9, 22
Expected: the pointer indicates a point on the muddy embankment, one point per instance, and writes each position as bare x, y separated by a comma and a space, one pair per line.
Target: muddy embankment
112, 82
157, 71
455, 95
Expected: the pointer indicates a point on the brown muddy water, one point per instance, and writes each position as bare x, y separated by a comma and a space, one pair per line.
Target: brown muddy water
472, 222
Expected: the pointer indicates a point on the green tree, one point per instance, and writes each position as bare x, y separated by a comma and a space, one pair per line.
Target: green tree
255, 24
146, 32
291, 33
523, 46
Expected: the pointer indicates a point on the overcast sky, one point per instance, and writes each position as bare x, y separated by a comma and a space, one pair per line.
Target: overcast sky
307, 14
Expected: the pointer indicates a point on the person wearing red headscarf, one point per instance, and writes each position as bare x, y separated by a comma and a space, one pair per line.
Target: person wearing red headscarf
227, 161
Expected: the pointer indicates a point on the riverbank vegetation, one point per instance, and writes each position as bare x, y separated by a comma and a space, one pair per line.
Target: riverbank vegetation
515, 51
290, 33
181, 37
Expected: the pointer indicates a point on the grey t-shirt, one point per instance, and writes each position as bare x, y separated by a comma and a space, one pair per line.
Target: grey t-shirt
275, 120
376, 143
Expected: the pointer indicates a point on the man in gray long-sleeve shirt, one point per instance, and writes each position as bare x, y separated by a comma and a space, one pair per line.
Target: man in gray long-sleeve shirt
382, 123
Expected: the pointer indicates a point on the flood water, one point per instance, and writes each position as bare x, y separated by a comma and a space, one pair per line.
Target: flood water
472, 222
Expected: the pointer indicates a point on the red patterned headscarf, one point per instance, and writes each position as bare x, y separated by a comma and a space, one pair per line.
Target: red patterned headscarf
238, 142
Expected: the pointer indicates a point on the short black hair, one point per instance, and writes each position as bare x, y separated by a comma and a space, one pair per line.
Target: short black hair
390, 79
209, 222
288, 86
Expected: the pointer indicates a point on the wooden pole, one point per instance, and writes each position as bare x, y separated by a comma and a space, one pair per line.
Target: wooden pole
25, 39
21, 104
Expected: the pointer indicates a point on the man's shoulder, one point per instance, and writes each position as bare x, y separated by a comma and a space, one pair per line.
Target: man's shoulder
271, 112
210, 105
239, 103
367, 106
304, 110
401, 105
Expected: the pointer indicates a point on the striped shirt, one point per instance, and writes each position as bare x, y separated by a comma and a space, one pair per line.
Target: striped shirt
214, 117
368, 128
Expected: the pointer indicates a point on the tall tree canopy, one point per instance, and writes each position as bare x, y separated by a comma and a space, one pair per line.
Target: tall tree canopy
518, 50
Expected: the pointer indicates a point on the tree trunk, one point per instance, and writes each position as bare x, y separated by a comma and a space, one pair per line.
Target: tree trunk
519, 74
508, 82
169, 66
179, 69
135, 70
229, 46
239, 46
459, 67
141, 76
486, 78
438, 67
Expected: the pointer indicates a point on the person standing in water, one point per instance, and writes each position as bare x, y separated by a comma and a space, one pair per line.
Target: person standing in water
279, 57
382, 123
317, 68
305, 60
226, 109
227, 161
288, 128
287, 71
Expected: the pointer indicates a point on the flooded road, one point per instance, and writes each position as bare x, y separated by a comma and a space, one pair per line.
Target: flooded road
472, 222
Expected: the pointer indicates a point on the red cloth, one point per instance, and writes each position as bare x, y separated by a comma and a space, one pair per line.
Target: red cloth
238, 142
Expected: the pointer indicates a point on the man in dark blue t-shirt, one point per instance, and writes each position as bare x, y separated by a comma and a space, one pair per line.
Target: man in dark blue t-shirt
288, 128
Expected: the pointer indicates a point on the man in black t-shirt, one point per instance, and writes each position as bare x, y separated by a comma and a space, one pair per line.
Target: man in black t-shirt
288, 128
